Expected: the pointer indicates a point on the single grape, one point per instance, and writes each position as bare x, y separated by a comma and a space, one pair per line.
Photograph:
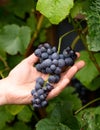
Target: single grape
69, 61
44, 103
38, 67
37, 52
54, 49
40, 92
37, 86
49, 71
55, 56
53, 67
55, 62
61, 63
44, 55
46, 45
49, 51
43, 49
58, 70
40, 80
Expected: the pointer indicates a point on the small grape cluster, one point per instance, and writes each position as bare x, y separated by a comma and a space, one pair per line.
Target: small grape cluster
40, 93
50, 62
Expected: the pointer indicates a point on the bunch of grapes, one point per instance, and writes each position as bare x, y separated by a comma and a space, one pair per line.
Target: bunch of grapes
50, 62
40, 93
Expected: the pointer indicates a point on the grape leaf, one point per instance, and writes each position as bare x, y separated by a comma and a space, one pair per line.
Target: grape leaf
25, 114
68, 95
5, 116
93, 21
21, 125
49, 124
14, 109
90, 118
14, 39
89, 73
63, 113
20, 7
55, 10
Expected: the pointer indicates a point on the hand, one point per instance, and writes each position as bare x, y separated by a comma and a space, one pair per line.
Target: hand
21, 80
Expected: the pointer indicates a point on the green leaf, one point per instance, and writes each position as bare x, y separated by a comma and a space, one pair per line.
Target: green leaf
93, 21
25, 114
5, 116
77, 9
63, 113
49, 124
20, 7
69, 96
14, 39
13, 60
14, 109
89, 73
90, 118
20, 126
55, 10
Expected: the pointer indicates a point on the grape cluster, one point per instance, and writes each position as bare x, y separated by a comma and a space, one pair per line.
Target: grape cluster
40, 93
50, 62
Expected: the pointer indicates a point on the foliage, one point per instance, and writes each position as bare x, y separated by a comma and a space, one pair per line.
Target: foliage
24, 24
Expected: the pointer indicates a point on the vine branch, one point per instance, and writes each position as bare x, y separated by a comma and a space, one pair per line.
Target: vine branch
39, 24
95, 100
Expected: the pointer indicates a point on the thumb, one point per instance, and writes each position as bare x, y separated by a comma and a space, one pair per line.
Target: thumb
32, 59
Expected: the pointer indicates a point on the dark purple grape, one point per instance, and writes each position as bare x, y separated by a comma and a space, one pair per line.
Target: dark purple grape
61, 56
55, 56
37, 106
49, 87
37, 86
68, 49
38, 67
37, 101
43, 49
69, 61
42, 97
53, 67
40, 92
44, 55
37, 52
47, 45
44, 103
58, 70
40, 80
49, 51
55, 62
72, 54
33, 91
61, 63
54, 49
47, 63
65, 54
49, 71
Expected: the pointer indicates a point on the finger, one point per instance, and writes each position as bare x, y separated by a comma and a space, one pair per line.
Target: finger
66, 77
32, 59
74, 69
78, 54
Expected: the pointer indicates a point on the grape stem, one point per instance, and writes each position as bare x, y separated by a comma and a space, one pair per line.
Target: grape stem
60, 39
95, 100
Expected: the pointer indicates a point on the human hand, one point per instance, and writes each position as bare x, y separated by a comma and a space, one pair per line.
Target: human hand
21, 80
